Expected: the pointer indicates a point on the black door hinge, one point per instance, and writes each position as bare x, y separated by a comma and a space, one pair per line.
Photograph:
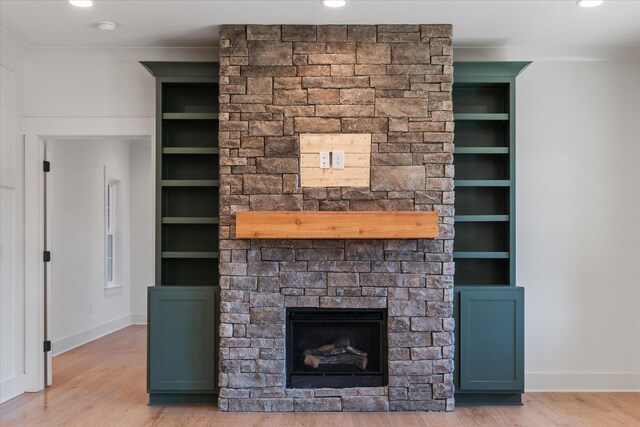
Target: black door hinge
46, 256
47, 346
46, 166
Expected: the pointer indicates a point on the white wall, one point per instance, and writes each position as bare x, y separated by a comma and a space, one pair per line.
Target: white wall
578, 225
578, 228
142, 229
12, 313
82, 309
96, 82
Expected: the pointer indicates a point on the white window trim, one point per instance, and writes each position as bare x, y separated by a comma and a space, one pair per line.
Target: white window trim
112, 177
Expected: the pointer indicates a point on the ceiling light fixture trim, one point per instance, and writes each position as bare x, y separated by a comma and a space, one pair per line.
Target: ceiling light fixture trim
81, 3
333, 3
107, 26
590, 3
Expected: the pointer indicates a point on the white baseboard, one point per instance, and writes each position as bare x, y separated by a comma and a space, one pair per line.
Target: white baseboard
11, 387
582, 381
139, 319
72, 341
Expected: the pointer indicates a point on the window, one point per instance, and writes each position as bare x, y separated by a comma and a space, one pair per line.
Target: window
112, 229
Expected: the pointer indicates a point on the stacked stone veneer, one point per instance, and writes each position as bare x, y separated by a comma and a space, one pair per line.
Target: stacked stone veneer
393, 81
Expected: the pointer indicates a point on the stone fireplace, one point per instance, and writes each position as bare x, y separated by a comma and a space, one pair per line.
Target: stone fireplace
393, 82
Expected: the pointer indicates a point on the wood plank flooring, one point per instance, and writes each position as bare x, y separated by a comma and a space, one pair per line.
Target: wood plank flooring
103, 384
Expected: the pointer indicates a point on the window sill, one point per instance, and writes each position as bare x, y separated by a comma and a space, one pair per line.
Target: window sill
113, 289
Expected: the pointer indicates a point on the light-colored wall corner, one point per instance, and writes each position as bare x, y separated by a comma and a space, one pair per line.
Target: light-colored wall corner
12, 50
139, 319
582, 381
142, 224
70, 342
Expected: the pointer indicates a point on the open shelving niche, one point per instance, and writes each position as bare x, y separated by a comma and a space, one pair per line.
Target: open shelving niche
485, 185
489, 307
188, 183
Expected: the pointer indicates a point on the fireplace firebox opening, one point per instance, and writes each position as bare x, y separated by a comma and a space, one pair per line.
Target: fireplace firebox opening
336, 348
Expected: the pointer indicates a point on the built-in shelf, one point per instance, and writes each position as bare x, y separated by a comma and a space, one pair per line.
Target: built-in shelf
481, 150
190, 150
482, 183
190, 116
336, 225
483, 255
481, 116
482, 218
189, 183
212, 255
189, 220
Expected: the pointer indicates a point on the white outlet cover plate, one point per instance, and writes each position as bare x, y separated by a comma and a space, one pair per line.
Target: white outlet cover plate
337, 159
325, 160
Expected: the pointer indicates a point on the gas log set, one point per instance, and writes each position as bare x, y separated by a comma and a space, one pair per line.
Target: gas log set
337, 353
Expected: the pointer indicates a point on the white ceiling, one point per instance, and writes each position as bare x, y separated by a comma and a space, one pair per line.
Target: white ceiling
187, 23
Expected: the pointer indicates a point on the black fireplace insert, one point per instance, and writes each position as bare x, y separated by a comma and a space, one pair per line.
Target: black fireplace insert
336, 348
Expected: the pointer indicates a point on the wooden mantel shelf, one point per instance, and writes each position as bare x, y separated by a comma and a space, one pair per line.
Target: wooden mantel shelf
336, 225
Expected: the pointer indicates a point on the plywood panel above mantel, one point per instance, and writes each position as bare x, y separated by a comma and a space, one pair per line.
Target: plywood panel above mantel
336, 225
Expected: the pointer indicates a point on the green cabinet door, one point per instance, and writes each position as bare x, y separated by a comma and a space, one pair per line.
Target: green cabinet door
182, 335
491, 333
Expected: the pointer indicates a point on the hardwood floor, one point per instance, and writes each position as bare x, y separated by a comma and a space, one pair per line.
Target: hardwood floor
103, 384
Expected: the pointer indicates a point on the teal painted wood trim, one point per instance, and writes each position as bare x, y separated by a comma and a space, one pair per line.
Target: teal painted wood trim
488, 399
178, 399
482, 183
481, 255
467, 80
481, 218
481, 116
190, 116
481, 150
212, 255
488, 69
196, 80
190, 150
512, 189
182, 69
481, 285
491, 339
181, 343
189, 220
189, 183
159, 169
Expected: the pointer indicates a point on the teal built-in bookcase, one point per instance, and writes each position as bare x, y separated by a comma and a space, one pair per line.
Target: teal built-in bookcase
183, 306
489, 305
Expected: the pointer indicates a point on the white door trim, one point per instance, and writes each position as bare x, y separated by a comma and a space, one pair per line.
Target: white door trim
37, 131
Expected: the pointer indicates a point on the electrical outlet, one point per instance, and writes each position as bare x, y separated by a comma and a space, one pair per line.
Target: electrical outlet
325, 160
337, 159
90, 308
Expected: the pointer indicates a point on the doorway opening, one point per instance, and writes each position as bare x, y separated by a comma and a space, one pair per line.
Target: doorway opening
99, 230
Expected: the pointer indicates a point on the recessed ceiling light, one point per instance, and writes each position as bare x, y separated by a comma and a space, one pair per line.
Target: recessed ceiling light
334, 3
590, 3
81, 3
107, 26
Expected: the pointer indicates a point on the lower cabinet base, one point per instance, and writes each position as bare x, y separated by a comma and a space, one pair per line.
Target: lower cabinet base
488, 399
170, 399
